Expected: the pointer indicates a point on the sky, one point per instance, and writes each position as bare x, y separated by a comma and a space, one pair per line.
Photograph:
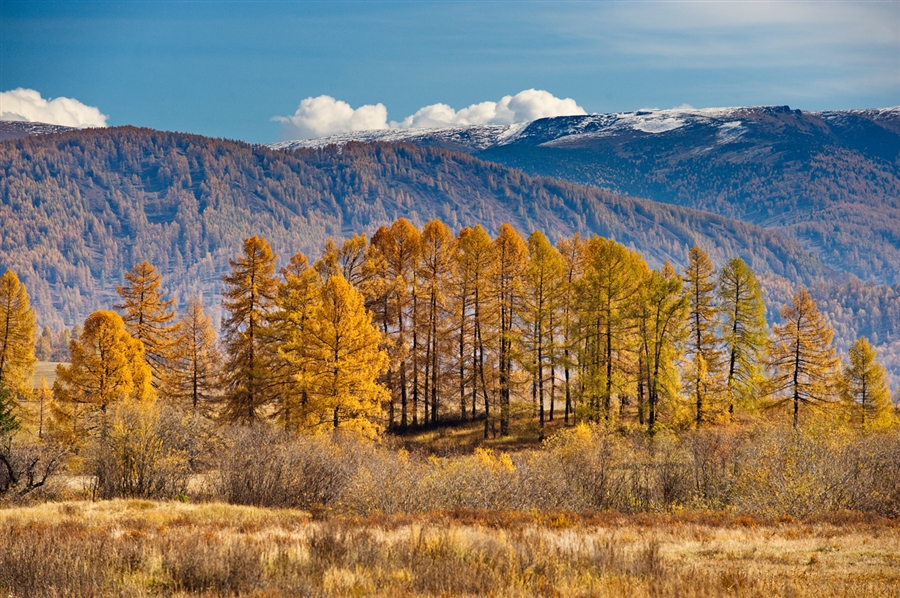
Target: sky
264, 71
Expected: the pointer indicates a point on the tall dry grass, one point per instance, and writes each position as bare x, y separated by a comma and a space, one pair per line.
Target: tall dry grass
141, 548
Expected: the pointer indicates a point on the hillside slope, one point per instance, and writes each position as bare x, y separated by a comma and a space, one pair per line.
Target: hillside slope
830, 180
80, 208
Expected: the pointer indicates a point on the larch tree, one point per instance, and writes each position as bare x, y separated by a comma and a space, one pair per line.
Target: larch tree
703, 346
610, 290
436, 268
107, 367
572, 251
17, 333
401, 247
743, 330
249, 297
194, 375
661, 326
339, 356
802, 358
510, 259
475, 308
864, 387
297, 297
544, 278
149, 317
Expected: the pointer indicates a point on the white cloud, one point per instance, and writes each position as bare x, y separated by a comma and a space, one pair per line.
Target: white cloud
323, 115
525, 106
27, 105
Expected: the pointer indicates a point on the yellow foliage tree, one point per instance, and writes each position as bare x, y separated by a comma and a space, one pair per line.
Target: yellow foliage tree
250, 294
510, 259
802, 358
107, 368
703, 345
17, 332
864, 387
149, 317
194, 372
339, 357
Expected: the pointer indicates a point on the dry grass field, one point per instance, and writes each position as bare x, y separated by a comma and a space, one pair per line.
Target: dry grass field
145, 548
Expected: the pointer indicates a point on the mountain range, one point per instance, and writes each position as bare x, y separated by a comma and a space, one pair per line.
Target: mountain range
805, 198
829, 180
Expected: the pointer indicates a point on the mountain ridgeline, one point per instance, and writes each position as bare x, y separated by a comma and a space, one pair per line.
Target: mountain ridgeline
830, 180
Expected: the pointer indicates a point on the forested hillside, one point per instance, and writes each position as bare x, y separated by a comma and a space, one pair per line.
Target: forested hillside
80, 208
830, 180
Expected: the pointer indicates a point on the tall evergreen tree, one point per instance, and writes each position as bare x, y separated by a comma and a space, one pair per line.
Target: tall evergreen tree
149, 317
802, 357
703, 345
17, 332
509, 260
743, 330
864, 386
249, 298
194, 375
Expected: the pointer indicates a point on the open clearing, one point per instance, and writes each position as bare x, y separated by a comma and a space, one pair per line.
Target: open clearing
146, 548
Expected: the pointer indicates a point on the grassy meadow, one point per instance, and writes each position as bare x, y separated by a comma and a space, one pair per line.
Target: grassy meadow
147, 548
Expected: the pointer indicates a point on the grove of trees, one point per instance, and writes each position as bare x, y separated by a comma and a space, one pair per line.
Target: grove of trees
425, 329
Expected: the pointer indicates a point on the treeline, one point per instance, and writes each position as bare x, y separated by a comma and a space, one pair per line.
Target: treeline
417, 327
426, 328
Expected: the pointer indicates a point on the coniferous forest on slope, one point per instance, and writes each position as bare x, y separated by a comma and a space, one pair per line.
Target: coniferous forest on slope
80, 208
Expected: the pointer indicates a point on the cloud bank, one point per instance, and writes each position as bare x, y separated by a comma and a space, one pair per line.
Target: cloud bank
323, 115
27, 105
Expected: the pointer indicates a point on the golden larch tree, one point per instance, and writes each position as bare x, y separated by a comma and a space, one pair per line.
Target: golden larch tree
149, 317
510, 258
196, 358
802, 359
743, 331
610, 290
249, 297
436, 269
475, 309
17, 335
107, 367
338, 353
703, 346
572, 251
864, 387
544, 283
661, 328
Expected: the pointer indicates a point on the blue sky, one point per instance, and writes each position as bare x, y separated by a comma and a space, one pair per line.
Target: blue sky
227, 69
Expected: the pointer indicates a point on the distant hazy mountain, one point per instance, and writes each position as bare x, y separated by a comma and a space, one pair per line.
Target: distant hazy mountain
15, 129
830, 180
